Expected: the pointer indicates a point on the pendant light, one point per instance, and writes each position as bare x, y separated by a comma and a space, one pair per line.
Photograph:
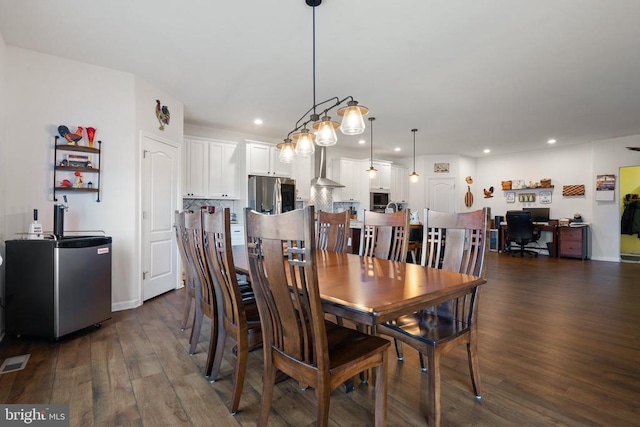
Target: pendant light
371, 171
414, 175
304, 143
287, 151
352, 122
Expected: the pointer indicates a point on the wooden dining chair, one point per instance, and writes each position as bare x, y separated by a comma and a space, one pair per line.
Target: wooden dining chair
385, 235
206, 304
333, 231
281, 252
456, 242
192, 282
237, 310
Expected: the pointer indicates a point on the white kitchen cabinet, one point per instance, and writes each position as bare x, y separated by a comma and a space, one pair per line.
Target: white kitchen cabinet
197, 168
237, 235
211, 169
302, 173
382, 181
262, 159
223, 167
351, 174
399, 190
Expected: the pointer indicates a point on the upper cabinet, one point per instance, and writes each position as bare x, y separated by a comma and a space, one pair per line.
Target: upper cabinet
262, 159
382, 181
211, 169
399, 191
351, 174
302, 170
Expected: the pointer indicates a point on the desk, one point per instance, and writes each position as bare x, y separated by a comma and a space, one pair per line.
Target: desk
552, 228
371, 291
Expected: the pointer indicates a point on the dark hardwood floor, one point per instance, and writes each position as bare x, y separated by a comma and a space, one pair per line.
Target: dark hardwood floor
559, 344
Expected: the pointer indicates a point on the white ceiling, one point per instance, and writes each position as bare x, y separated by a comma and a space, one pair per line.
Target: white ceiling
469, 74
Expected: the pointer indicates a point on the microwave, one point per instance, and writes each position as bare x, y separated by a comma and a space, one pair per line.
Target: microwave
379, 201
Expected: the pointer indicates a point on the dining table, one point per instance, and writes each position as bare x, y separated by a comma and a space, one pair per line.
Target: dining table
370, 291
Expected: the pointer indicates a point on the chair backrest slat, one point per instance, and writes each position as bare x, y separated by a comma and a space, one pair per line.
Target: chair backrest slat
455, 241
333, 231
385, 235
281, 252
193, 229
219, 256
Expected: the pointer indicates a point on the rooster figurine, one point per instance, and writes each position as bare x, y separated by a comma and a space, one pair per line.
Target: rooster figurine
73, 138
162, 113
488, 193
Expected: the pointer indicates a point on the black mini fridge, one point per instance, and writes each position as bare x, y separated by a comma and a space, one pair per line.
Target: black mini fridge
57, 286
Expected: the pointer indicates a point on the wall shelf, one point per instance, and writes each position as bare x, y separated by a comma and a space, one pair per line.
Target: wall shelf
63, 166
530, 189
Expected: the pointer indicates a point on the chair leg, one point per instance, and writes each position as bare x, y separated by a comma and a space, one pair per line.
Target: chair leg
474, 369
323, 394
195, 330
239, 374
399, 353
213, 372
213, 342
381, 392
422, 365
187, 308
434, 388
268, 383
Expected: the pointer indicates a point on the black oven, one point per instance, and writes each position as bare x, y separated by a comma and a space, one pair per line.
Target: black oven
379, 201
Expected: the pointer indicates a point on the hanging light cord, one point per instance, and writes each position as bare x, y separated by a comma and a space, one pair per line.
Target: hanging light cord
313, 50
414, 149
371, 119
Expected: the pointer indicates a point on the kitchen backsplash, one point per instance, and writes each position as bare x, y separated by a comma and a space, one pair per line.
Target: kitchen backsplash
197, 204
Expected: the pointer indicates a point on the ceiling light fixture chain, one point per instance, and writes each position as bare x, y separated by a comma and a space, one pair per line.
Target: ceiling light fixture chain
300, 141
413, 177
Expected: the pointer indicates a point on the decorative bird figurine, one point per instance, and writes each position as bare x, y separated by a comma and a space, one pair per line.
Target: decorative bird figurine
162, 113
72, 138
488, 193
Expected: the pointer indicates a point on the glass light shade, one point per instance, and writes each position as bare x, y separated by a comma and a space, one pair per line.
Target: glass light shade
326, 132
373, 172
304, 143
352, 121
287, 151
413, 177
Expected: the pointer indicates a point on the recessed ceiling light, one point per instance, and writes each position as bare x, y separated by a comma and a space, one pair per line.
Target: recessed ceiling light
362, 141
396, 149
551, 141
257, 121
486, 151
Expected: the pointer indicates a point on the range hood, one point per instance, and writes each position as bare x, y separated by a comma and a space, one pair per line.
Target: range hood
321, 179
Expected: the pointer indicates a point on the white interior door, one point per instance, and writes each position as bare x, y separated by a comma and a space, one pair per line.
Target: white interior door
442, 194
159, 203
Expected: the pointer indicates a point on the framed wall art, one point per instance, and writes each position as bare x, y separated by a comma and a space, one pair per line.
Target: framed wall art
511, 196
544, 197
605, 187
441, 167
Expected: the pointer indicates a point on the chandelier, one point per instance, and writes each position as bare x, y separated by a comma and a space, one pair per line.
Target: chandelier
301, 141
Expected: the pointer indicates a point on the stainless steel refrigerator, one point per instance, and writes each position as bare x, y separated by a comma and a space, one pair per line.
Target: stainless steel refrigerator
268, 194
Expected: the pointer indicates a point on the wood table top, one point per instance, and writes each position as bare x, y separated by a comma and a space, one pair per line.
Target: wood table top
371, 290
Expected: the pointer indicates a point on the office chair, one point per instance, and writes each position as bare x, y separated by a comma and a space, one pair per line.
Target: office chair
521, 231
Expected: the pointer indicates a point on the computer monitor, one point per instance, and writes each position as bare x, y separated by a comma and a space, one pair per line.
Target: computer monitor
538, 214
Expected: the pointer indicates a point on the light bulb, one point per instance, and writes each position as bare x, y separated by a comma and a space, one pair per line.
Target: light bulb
352, 121
287, 151
326, 129
372, 172
413, 177
304, 143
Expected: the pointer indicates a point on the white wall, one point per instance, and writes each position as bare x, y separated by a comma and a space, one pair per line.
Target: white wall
608, 157
45, 92
577, 164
